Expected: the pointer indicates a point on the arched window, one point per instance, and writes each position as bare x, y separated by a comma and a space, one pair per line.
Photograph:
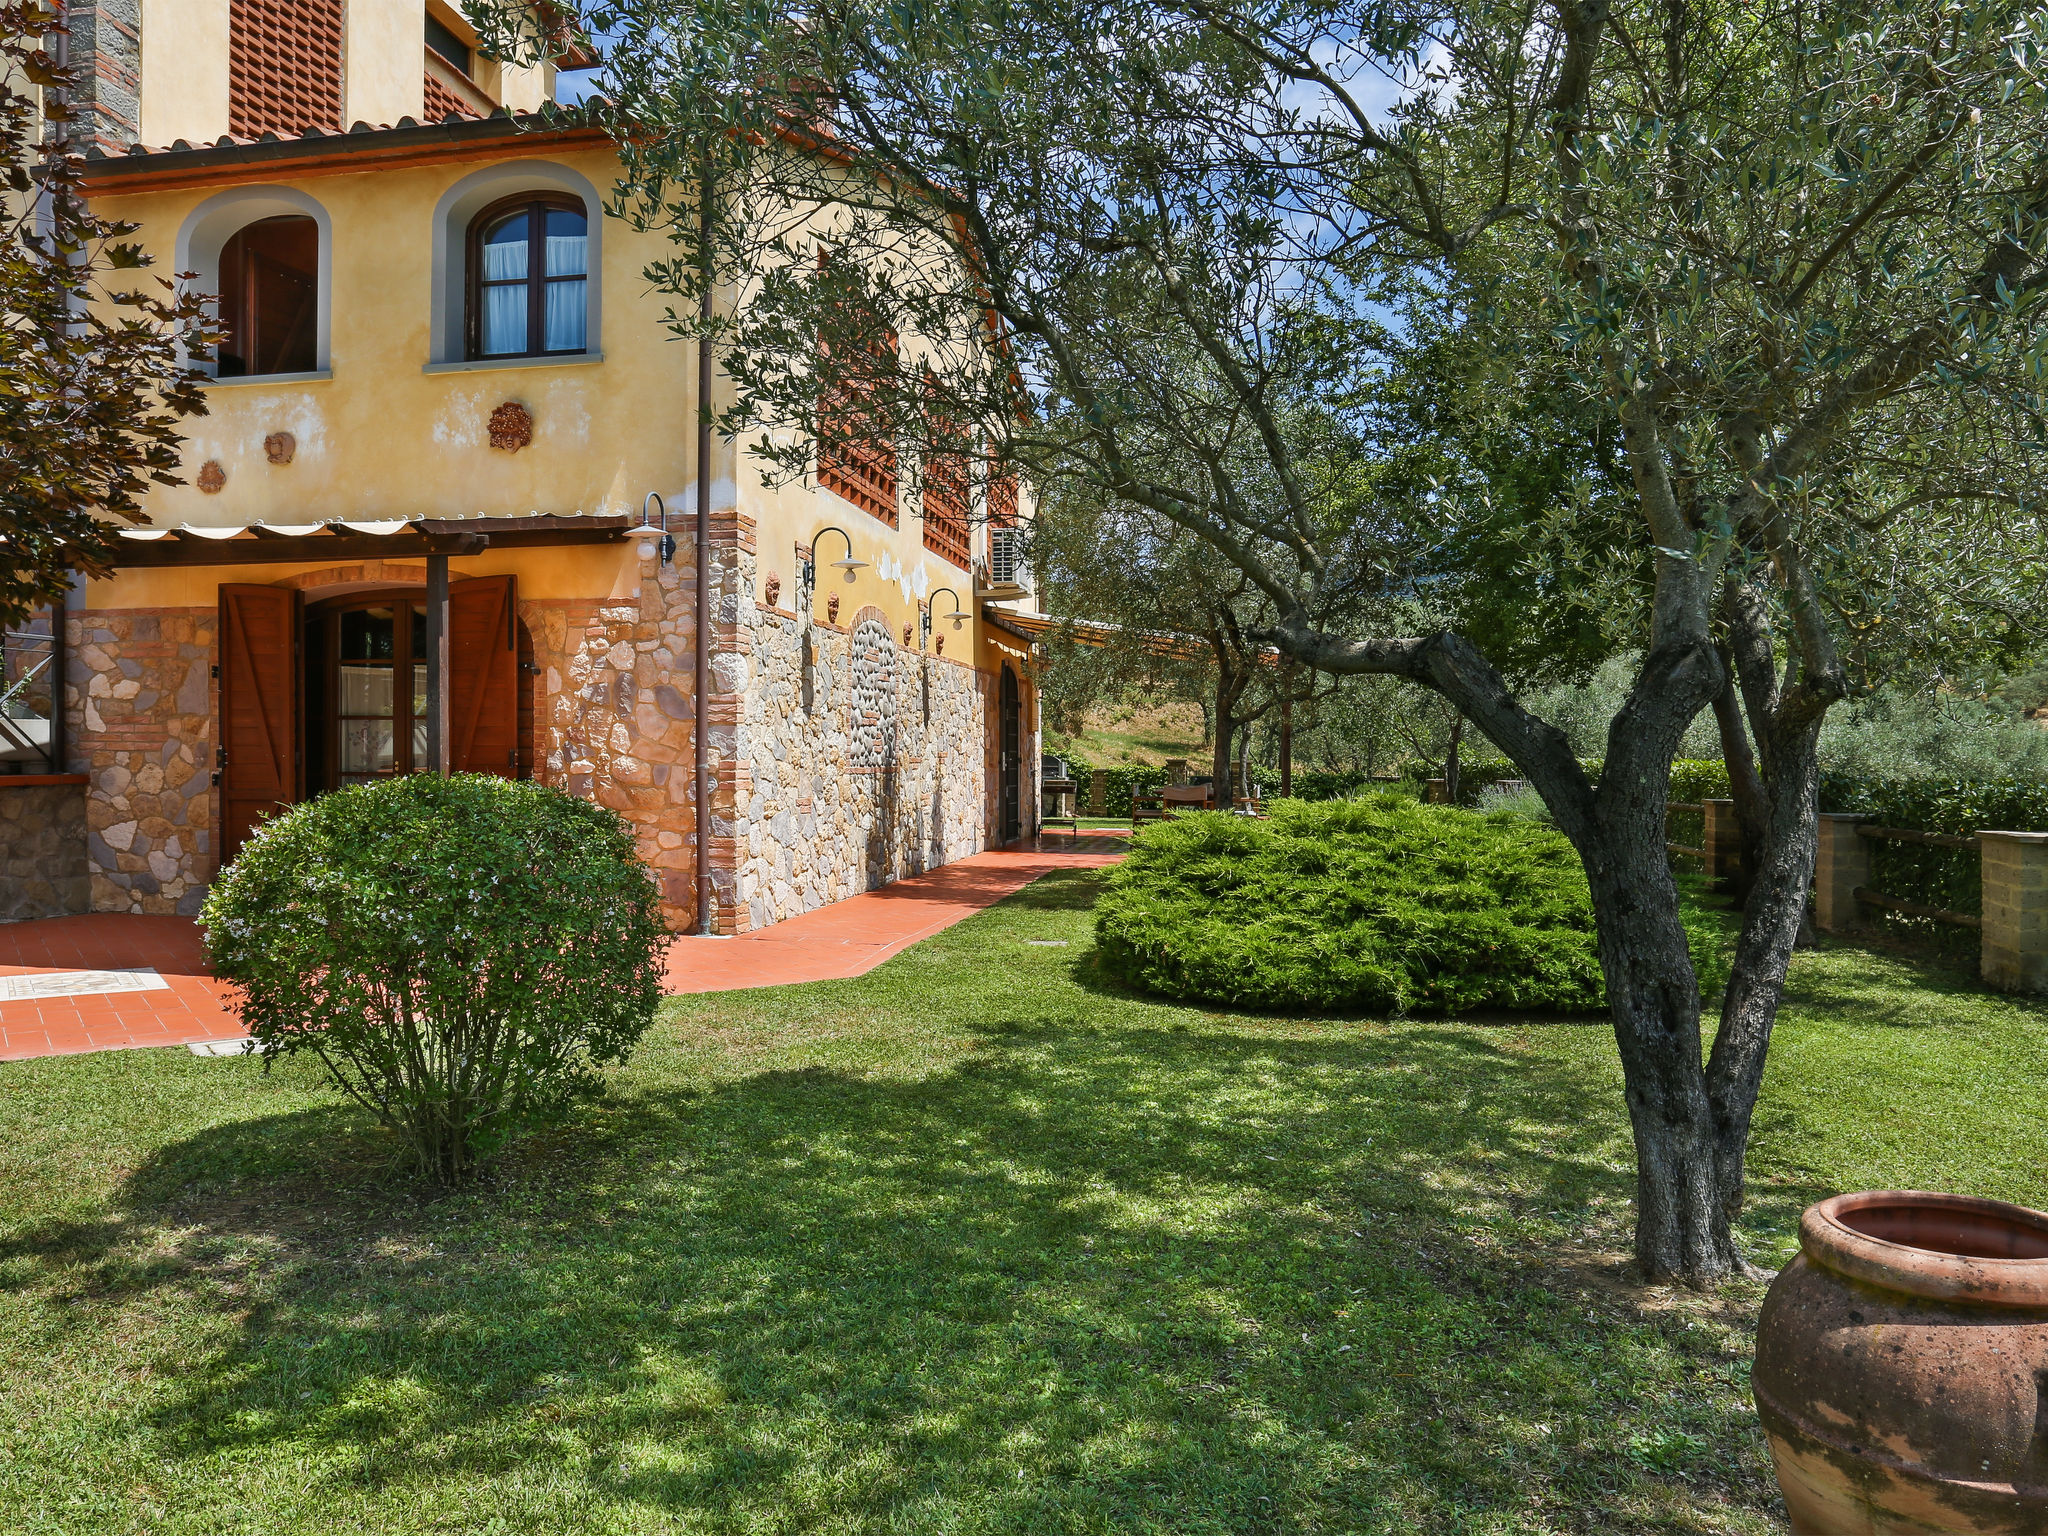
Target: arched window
529, 279
270, 297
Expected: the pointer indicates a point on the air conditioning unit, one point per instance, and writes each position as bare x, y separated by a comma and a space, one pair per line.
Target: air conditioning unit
1006, 571
1002, 556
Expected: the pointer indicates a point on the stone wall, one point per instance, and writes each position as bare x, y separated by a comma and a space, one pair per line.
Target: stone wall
853, 758
141, 724
613, 712
43, 870
839, 758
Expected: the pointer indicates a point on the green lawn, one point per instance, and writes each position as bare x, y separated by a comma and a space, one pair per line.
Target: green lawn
968, 1245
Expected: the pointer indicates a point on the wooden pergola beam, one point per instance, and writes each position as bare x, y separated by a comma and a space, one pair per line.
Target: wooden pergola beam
466, 536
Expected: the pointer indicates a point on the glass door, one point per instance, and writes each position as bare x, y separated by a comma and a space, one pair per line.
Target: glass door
379, 725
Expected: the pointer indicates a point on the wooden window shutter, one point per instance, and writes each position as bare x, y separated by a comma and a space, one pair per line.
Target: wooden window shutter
258, 749
483, 676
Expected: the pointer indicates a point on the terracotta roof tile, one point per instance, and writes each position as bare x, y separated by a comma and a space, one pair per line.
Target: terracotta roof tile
317, 150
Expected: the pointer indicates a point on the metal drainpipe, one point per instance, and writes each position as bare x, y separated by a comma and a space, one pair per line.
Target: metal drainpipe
706, 923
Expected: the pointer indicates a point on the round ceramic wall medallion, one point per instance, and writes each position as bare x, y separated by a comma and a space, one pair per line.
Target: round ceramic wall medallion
511, 427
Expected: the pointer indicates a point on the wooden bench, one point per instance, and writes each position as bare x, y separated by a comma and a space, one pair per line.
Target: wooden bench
1162, 805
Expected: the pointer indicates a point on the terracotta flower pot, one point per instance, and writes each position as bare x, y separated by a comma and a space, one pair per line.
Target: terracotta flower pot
1902, 1367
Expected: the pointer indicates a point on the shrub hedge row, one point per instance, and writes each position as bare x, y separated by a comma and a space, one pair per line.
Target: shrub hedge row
1940, 877
1374, 904
1937, 877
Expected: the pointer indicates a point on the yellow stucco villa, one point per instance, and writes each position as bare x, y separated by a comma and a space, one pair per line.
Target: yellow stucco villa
444, 509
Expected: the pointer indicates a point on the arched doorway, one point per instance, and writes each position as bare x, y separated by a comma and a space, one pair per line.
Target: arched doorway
1010, 812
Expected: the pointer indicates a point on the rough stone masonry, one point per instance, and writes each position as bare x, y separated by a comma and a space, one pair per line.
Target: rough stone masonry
840, 759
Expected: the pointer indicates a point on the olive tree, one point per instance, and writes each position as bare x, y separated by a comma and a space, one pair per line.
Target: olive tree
1181, 613
1795, 256
1785, 263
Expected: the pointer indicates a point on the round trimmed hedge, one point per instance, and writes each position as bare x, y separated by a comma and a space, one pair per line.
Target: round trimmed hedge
1370, 905
463, 954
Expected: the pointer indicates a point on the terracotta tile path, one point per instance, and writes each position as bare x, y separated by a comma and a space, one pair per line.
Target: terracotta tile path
859, 933
844, 939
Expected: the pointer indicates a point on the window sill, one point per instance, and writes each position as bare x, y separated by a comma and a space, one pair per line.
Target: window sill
316, 376
493, 364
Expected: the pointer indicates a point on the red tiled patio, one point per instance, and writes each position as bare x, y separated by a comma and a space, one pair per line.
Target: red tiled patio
842, 940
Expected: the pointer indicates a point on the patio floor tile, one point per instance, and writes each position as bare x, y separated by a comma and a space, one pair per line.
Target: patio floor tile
845, 939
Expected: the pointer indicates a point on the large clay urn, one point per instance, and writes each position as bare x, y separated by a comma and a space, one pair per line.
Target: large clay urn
1902, 1367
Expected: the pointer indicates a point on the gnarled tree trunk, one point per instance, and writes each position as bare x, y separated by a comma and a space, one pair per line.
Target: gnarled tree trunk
1787, 722
1682, 1128
1690, 1117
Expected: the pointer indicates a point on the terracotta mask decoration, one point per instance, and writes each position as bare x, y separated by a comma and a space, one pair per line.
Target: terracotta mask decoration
939, 644
511, 426
832, 608
212, 477
906, 634
774, 588
279, 447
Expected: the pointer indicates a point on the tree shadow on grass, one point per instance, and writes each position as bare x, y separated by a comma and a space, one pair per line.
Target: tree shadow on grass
1178, 1279
1060, 890
271, 1181
1885, 987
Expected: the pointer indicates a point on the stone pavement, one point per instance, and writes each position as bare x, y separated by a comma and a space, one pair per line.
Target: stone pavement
113, 981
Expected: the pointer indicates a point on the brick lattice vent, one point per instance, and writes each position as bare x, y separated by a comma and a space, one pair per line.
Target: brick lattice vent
441, 101
284, 66
864, 472
945, 508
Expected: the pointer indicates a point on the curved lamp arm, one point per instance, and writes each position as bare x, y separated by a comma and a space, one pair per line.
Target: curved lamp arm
809, 566
849, 565
668, 540
959, 615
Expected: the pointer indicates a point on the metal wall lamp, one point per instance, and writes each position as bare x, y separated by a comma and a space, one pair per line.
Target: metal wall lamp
958, 615
849, 565
668, 540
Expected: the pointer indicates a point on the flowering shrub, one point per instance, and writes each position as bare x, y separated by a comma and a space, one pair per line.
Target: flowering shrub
463, 954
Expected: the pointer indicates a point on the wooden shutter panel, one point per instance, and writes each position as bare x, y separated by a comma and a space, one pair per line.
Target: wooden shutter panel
259, 707
483, 677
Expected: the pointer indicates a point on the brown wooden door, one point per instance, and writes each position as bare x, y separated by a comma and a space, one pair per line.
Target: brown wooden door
483, 676
258, 750
1010, 765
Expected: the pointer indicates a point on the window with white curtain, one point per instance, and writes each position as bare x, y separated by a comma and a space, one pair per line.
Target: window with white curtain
529, 279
